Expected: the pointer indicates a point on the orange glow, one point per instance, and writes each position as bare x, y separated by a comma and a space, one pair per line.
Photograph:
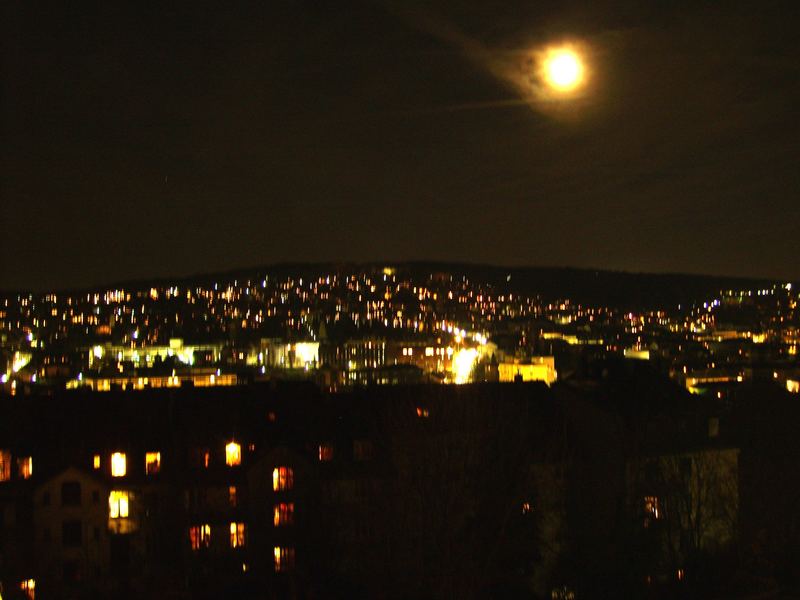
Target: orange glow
651, 507
25, 467
284, 559
28, 586
233, 454
152, 462
5, 465
283, 514
325, 452
200, 536
237, 535
282, 478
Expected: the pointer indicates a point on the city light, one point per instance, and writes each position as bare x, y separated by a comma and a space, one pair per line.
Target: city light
463, 363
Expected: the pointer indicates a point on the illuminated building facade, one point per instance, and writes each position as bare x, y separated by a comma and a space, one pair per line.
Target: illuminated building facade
540, 368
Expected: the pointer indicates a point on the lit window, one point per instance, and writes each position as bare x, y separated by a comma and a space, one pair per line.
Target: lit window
118, 504
119, 464
232, 496
283, 514
96, 462
25, 467
5, 465
28, 587
200, 536
325, 452
527, 508
237, 535
152, 463
206, 458
284, 559
652, 509
282, 478
233, 454
423, 413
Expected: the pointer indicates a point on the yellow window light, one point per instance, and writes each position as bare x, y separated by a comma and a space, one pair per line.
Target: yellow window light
233, 454
118, 504
119, 464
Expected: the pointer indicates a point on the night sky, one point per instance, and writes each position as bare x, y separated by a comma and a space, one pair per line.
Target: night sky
177, 141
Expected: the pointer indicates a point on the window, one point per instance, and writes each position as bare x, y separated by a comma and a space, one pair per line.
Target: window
325, 452
25, 467
423, 412
362, 450
5, 465
96, 462
233, 454
527, 508
237, 535
200, 536
118, 504
119, 464
152, 462
28, 587
284, 559
283, 514
71, 533
282, 478
652, 509
71, 493
95, 496
233, 497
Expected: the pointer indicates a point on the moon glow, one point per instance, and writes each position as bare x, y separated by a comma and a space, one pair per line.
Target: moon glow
563, 70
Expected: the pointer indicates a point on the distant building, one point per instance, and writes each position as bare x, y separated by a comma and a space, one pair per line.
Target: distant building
540, 368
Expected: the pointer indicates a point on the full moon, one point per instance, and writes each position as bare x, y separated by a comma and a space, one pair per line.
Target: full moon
563, 70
